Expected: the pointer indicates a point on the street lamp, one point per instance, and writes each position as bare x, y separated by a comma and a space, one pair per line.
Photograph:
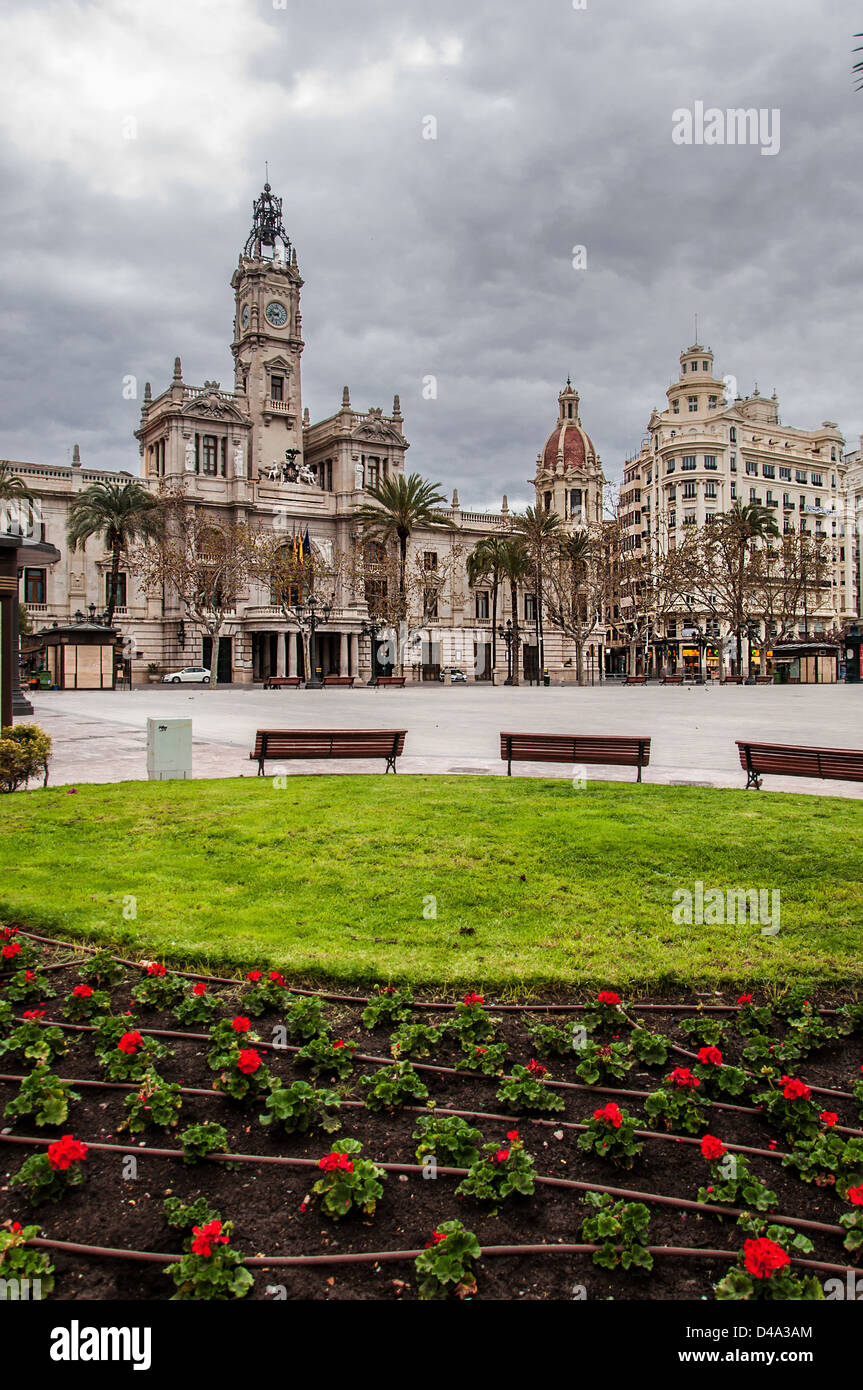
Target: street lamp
372, 628
307, 619
506, 633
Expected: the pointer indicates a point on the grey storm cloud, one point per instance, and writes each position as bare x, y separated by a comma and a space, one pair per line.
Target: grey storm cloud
133, 139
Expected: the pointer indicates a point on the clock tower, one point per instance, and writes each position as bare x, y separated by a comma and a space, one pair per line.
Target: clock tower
268, 341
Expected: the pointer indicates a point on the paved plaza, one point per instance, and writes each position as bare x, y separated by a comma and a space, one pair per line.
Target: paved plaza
101, 736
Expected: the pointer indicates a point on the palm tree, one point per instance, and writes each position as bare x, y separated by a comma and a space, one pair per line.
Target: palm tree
399, 505
538, 528
12, 489
749, 522
515, 567
484, 562
121, 514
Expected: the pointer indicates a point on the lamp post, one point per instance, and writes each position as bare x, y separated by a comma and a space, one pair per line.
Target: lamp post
371, 628
506, 633
306, 618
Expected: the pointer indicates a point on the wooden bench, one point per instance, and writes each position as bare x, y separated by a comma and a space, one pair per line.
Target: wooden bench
611, 749
339, 680
389, 680
794, 760
764, 680
636, 680
731, 680
671, 680
328, 743
274, 682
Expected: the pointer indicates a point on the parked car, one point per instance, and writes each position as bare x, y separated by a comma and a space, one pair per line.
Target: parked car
188, 673
457, 677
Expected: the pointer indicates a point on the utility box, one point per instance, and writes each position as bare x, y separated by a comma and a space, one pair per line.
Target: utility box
169, 749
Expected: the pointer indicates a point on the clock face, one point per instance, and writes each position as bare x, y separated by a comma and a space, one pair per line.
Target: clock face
277, 314
245, 319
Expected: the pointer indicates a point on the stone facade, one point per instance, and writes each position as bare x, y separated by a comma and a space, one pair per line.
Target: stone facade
251, 454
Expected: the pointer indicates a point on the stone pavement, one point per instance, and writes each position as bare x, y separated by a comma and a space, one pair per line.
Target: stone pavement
100, 736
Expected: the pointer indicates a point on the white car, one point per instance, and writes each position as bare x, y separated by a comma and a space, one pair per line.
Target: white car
188, 673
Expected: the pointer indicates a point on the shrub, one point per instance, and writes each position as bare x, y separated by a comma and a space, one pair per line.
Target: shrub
43, 1095
326, 1057
606, 1012
525, 1089
305, 1018
48, 1176
348, 1180
414, 1040
551, 1041
603, 1062
225, 1037
300, 1107
470, 1023
610, 1134
612, 1223
28, 984
159, 989
211, 1269
131, 1056
265, 995
791, 1109
19, 1263
763, 1273
244, 1075
731, 1183
707, 1031
852, 1221
499, 1173
828, 1160
716, 1075
649, 1048
36, 1042
488, 1060
391, 1087
203, 1139
447, 1138
197, 1006
85, 1002
24, 752
446, 1265
387, 1005
102, 969
181, 1215
677, 1103
157, 1103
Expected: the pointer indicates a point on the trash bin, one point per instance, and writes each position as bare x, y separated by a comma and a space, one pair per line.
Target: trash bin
546, 678
169, 749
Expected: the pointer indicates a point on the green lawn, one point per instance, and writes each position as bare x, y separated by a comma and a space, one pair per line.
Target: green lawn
535, 883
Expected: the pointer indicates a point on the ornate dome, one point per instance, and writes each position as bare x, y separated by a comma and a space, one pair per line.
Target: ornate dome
568, 442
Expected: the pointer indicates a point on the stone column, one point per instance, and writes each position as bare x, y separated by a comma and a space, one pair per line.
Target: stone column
354, 653
343, 654
292, 653
280, 654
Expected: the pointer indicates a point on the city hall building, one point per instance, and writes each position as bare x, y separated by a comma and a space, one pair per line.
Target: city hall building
251, 454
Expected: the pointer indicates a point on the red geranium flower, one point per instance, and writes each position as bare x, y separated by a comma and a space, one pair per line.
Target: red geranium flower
66, 1151
248, 1061
199, 988
710, 1056
82, 991
480, 1051
712, 1148
129, 1043
255, 975
828, 1117
536, 1068
334, 1162
607, 996
340, 1042
501, 1156
240, 1024
794, 1089
745, 999
34, 1013
474, 999
512, 1136
763, 1257
13, 949
156, 969
682, 1077
28, 975
8, 932
610, 1114
437, 1237
206, 1237
277, 978
855, 1196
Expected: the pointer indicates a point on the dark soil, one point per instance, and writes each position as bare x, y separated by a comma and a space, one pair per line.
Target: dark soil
264, 1201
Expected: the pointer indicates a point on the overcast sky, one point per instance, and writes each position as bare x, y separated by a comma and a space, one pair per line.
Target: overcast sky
450, 257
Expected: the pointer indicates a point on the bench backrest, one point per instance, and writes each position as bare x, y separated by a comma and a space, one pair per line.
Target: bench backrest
797, 760
575, 748
329, 743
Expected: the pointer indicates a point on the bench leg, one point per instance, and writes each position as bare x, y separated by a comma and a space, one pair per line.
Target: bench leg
260, 767
391, 764
638, 778
753, 780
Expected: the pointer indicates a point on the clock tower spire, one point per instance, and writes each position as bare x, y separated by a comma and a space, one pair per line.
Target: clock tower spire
267, 341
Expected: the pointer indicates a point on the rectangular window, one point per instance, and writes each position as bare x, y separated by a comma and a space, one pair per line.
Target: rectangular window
710, 489
672, 493
483, 608
733, 491
34, 586
119, 590
687, 463
209, 454
672, 519
816, 480
693, 403
675, 407
277, 388
768, 470
669, 467
734, 463
689, 518
785, 475
751, 469
710, 462
530, 608
690, 489
732, 435
712, 402
800, 475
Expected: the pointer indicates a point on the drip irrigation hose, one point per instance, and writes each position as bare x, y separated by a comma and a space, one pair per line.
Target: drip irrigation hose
568, 1184
68, 1247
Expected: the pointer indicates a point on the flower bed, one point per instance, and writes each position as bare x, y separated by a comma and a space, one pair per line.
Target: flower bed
247, 1086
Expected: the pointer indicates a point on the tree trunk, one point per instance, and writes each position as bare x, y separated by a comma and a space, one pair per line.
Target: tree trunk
115, 570
494, 588
214, 655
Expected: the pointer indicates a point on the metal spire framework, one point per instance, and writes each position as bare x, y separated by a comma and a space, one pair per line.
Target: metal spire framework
268, 231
